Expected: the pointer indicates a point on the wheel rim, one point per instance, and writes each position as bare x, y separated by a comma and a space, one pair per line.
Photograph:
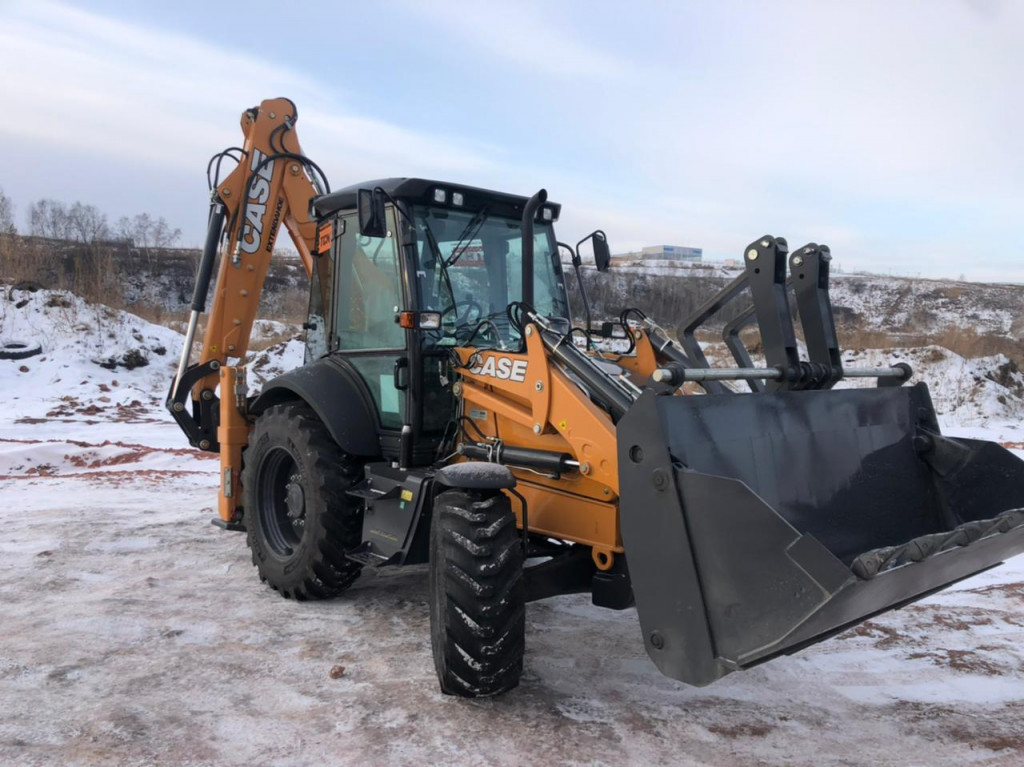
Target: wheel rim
282, 503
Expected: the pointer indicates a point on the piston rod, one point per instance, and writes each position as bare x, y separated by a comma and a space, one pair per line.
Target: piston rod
678, 375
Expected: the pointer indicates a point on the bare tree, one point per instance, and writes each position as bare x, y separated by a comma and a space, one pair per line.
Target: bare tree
130, 230
145, 232
49, 218
87, 224
79, 222
6, 214
163, 235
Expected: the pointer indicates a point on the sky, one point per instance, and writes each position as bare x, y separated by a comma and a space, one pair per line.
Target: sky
889, 131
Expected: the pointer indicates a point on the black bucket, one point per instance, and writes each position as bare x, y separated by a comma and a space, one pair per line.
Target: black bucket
758, 524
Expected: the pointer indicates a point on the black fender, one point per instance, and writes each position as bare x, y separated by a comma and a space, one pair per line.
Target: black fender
336, 395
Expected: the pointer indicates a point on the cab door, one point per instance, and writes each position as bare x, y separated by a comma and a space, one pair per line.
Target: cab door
368, 295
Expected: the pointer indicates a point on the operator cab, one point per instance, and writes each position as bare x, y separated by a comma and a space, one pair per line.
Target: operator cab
449, 253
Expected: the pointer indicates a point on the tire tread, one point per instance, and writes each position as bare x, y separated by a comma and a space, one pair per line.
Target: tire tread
325, 572
478, 615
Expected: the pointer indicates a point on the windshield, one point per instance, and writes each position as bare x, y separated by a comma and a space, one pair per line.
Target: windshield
476, 272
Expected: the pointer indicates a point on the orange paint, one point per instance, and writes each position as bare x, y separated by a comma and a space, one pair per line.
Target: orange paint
323, 243
547, 411
280, 194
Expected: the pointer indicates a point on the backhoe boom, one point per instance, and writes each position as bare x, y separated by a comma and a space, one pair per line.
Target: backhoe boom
273, 184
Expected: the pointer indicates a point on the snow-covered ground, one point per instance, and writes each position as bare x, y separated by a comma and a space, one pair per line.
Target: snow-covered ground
134, 632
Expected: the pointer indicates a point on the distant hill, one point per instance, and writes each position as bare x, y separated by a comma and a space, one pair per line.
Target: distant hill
872, 311
151, 280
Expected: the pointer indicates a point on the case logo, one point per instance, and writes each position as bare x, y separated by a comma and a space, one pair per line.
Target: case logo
505, 368
252, 227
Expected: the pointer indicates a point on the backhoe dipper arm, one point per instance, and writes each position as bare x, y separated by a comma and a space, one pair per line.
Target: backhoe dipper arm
273, 184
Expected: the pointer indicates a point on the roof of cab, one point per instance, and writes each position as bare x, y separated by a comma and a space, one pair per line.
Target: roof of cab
422, 190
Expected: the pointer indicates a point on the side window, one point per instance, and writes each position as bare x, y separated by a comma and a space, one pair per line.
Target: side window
369, 290
369, 295
319, 301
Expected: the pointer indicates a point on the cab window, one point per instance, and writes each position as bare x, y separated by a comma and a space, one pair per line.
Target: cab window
369, 291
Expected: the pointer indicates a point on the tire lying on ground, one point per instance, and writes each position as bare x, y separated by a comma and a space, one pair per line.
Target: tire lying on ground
11, 349
298, 518
27, 286
477, 597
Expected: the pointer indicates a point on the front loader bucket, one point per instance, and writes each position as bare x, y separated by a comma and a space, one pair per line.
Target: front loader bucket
758, 524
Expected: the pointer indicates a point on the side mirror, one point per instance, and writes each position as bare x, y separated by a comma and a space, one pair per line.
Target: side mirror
602, 255
370, 207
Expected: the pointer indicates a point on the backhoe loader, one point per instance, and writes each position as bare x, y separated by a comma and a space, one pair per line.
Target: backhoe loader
449, 412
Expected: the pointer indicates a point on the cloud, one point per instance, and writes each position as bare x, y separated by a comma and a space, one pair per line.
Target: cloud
866, 124
137, 94
891, 132
532, 36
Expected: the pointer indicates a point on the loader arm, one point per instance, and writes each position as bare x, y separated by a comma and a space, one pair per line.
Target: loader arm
273, 184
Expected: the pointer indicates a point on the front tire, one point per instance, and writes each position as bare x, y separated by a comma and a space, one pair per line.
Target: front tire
298, 518
477, 599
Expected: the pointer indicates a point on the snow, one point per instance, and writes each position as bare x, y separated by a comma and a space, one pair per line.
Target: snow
975, 392
885, 303
275, 361
135, 632
266, 332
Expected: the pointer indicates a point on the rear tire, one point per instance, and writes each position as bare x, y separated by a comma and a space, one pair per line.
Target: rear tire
298, 518
477, 599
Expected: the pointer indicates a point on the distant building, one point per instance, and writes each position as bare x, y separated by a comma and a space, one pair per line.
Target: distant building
661, 253
671, 253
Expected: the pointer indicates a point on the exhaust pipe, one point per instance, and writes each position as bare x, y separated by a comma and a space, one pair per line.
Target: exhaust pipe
529, 213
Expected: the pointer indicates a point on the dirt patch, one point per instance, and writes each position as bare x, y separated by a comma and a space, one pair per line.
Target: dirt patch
884, 636
152, 476
965, 661
951, 619
132, 412
1013, 591
92, 462
70, 406
741, 730
58, 301
1008, 375
112, 443
970, 661
989, 733
997, 729
133, 358
42, 470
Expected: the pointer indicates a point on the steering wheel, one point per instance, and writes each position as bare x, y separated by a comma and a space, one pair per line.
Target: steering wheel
464, 312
